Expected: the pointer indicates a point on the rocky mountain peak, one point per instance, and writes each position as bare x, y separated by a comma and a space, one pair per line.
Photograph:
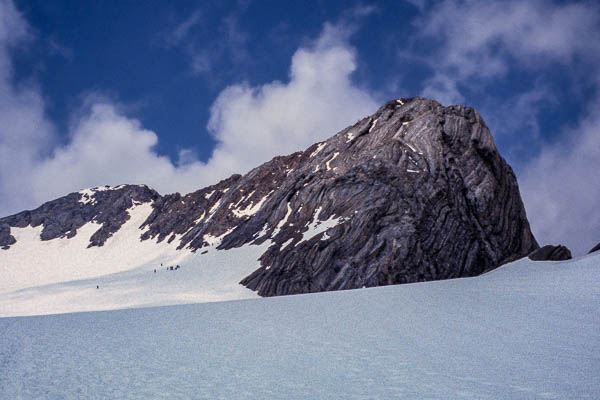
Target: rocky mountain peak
415, 192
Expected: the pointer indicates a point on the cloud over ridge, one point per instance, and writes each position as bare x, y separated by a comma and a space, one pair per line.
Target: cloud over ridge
250, 124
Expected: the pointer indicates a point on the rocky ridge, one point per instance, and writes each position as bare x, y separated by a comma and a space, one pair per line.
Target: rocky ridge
62, 217
415, 192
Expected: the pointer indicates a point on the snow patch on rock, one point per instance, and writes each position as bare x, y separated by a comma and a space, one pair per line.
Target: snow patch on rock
330, 160
252, 209
320, 147
317, 227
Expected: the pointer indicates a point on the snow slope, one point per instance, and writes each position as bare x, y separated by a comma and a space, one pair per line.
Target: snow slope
64, 275
61, 275
528, 330
33, 262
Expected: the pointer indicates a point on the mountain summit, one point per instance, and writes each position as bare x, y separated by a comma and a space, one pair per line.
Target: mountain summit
415, 192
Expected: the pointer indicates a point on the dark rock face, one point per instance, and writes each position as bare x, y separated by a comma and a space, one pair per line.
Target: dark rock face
62, 217
415, 192
595, 248
218, 209
551, 253
420, 191
6, 239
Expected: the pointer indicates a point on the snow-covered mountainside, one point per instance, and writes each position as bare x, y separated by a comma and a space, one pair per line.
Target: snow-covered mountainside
416, 192
70, 274
527, 330
67, 274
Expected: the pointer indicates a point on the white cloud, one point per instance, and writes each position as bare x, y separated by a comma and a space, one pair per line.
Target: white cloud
561, 188
105, 146
482, 39
24, 132
443, 89
479, 42
257, 123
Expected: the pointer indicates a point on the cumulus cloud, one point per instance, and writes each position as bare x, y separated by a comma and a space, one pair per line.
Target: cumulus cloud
478, 43
25, 132
106, 146
257, 123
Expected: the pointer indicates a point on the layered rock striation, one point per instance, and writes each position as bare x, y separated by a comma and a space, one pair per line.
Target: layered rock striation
419, 193
415, 192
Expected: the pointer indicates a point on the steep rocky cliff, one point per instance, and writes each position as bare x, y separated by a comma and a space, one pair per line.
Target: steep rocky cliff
415, 192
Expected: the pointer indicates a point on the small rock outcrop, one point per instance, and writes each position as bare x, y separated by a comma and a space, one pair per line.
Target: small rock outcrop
6, 239
415, 192
594, 249
551, 253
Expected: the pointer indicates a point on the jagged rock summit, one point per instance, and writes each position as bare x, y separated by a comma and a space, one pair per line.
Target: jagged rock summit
415, 192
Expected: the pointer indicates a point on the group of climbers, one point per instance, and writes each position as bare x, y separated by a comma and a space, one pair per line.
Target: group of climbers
169, 268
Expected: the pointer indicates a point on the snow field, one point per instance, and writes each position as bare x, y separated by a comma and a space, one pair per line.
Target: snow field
33, 262
528, 330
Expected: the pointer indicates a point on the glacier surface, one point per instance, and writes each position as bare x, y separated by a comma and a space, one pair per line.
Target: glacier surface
525, 330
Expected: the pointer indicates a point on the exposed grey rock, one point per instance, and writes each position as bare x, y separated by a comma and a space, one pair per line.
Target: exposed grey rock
62, 217
595, 248
551, 253
6, 239
415, 192
421, 193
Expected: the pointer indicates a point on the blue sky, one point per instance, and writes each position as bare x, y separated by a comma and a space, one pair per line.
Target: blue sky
181, 94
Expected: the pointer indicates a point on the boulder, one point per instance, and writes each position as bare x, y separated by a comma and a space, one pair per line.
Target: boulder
551, 253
